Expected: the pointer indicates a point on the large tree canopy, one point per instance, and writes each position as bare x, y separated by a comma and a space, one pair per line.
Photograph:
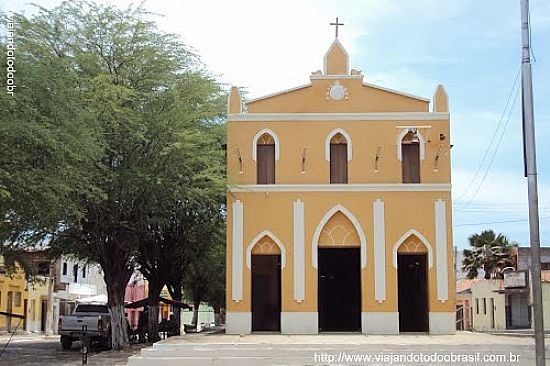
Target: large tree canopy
113, 125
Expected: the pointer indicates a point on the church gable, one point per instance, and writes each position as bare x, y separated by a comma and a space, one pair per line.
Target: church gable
336, 89
346, 95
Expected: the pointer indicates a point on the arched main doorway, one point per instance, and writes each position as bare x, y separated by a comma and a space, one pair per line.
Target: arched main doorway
339, 275
412, 276
265, 263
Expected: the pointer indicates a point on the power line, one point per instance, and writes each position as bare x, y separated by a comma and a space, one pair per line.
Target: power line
501, 120
496, 222
494, 152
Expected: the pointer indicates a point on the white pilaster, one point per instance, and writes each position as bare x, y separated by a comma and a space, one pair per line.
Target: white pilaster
299, 251
237, 252
299, 322
379, 251
238, 322
441, 251
380, 322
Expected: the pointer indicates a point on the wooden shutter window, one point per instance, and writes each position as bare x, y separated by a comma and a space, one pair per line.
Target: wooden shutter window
265, 163
410, 162
338, 160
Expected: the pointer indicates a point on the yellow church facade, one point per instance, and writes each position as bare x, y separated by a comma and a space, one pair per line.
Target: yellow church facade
339, 208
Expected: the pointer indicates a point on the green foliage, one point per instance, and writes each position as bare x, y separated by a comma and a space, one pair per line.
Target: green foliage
488, 251
110, 149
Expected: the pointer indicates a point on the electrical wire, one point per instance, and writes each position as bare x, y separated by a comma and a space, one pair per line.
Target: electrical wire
500, 122
494, 153
497, 222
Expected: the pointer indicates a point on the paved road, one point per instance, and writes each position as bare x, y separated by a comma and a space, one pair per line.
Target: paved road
35, 350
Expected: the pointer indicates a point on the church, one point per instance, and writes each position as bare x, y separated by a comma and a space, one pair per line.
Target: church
339, 208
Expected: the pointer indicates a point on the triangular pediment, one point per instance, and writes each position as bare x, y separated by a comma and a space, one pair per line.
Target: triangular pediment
359, 98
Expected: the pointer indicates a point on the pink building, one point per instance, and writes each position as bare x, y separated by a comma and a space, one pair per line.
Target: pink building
135, 290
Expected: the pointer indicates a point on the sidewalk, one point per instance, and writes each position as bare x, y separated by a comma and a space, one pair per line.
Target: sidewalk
460, 338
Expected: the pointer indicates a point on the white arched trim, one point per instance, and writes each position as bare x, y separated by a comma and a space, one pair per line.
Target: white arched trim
256, 239
356, 225
400, 137
405, 237
255, 143
330, 136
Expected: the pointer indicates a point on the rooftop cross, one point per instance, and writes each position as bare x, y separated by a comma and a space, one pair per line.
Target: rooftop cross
336, 24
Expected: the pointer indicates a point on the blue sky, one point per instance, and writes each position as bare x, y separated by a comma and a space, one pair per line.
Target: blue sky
472, 47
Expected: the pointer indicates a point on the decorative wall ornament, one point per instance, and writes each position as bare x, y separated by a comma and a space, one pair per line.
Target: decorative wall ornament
337, 92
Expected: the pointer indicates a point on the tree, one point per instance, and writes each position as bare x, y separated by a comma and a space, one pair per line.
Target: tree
141, 99
48, 140
202, 275
489, 252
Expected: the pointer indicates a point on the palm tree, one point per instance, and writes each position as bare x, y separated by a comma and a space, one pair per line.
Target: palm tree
489, 252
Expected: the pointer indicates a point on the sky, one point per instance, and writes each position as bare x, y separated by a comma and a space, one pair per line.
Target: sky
472, 47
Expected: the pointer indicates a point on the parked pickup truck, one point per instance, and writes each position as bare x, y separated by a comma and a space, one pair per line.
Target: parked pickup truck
89, 320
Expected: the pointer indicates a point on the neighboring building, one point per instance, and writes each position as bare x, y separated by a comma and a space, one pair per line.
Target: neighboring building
523, 258
37, 289
75, 279
488, 305
12, 298
510, 298
37, 305
464, 310
206, 315
339, 208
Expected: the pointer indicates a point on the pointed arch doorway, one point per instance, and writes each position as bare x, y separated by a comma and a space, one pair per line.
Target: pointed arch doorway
266, 257
414, 258
339, 274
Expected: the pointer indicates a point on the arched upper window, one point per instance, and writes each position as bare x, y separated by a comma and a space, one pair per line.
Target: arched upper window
265, 159
410, 162
338, 159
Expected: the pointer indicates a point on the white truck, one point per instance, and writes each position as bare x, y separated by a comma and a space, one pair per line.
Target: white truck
88, 320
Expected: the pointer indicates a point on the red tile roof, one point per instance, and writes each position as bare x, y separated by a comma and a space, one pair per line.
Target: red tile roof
465, 284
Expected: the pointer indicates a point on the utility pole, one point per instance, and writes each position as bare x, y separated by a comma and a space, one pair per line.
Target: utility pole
531, 173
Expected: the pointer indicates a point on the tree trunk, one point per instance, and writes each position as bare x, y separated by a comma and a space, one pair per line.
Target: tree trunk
116, 276
153, 311
196, 305
176, 294
217, 315
119, 331
153, 321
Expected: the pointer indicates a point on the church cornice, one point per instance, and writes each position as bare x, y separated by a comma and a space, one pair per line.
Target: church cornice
359, 187
393, 91
330, 117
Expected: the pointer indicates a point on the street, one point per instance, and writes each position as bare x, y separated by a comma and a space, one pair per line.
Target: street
27, 350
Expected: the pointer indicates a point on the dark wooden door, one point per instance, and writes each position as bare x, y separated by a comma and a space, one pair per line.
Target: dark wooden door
338, 163
412, 292
43, 315
339, 289
265, 155
266, 293
411, 162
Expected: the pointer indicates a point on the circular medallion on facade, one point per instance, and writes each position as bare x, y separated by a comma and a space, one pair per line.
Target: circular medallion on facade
337, 92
